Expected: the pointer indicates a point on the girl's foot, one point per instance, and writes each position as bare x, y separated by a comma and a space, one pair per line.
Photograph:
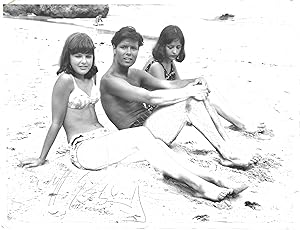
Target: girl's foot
238, 164
248, 128
259, 131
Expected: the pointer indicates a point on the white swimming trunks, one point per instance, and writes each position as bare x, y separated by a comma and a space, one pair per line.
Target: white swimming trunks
78, 139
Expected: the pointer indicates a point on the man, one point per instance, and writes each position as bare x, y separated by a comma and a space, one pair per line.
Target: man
98, 19
124, 90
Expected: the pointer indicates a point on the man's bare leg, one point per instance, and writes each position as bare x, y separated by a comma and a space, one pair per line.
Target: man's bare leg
166, 123
159, 155
204, 118
214, 117
208, 175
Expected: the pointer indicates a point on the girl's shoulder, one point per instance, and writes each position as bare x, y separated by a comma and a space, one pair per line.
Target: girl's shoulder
152, 63
65, 80
148, 63
65, 77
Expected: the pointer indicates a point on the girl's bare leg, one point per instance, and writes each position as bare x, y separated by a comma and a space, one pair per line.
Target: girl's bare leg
225, 111
229, 116
139, 144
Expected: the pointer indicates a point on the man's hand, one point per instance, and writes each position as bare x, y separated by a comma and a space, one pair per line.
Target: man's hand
201, 81
31, 162
198, 91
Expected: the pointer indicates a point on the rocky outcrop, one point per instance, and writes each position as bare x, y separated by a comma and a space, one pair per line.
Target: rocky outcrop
56, 10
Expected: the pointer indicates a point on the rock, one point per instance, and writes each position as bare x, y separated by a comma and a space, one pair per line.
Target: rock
57, 10
226, 16
16, 9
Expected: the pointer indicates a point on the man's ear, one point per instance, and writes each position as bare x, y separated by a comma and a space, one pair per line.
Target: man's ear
114, 50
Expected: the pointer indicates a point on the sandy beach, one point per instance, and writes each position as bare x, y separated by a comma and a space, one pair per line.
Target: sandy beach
252, 60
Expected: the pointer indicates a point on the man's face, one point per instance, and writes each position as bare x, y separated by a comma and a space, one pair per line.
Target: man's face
126, 52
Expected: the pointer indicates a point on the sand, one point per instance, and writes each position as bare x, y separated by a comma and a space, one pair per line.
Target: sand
252, 60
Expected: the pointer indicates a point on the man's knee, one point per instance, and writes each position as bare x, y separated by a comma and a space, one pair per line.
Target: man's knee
165, 123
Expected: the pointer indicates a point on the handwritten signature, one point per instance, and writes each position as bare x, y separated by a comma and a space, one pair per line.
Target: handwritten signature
106, 198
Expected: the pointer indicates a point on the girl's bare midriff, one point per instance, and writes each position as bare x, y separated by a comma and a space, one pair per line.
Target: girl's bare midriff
80, 121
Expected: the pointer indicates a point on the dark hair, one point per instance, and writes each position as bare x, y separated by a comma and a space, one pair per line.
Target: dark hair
124, 33
77, 43
168, 35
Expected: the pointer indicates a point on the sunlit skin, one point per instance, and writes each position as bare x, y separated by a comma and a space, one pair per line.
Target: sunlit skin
172, 50
81, 63
111, 148
126, 52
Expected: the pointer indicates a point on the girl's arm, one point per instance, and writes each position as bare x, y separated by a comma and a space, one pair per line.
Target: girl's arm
156, 70
150, 82
60, 96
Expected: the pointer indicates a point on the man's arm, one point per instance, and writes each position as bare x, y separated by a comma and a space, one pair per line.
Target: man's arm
150, 82
120, 88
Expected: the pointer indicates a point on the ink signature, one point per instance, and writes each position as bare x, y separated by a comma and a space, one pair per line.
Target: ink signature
108, 198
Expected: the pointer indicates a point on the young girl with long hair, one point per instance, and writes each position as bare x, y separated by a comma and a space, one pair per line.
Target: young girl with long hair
170, 48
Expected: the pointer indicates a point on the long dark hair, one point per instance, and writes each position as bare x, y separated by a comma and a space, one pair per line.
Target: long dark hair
168, 35
77, 43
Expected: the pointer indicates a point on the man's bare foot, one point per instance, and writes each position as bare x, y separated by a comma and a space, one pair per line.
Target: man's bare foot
227, 183
217, 194
238, 164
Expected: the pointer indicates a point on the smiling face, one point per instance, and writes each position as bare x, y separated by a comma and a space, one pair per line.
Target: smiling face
173, 49
81, 63
126, 52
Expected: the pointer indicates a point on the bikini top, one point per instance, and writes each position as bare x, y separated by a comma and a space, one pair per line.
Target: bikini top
79, 99
168, 76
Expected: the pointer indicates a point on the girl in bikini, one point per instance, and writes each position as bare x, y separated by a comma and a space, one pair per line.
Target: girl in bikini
93, 147
170, 48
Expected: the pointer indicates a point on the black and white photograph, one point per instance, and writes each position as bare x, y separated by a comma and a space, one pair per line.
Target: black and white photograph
150, 114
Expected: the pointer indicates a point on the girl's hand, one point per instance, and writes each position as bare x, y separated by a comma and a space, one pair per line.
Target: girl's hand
31, 162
